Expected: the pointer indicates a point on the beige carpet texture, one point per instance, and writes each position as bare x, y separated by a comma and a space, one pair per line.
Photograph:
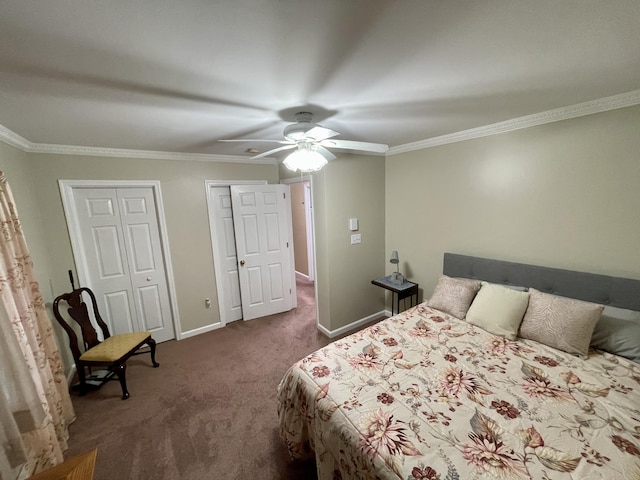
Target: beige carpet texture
208, 411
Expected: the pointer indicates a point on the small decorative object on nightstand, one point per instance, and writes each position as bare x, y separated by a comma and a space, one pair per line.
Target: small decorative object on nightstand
396, 278
400, 292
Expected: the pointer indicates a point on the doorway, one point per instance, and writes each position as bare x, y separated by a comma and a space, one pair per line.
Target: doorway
302, 223
252, 246
303, 185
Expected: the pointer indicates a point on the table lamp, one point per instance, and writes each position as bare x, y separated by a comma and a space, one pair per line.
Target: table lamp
396, 278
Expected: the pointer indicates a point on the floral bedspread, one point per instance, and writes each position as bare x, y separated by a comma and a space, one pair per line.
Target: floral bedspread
423, 395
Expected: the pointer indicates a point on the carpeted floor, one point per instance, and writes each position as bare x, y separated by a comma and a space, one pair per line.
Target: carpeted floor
208, 411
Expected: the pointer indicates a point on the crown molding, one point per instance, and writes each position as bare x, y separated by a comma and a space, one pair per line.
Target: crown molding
15, 140
613, 102
12, 138
564, 113
146, 154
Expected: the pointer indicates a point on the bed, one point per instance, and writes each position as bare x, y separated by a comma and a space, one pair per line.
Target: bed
427, 395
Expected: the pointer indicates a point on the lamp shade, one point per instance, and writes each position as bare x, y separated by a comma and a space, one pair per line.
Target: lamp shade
394, 257
306, 160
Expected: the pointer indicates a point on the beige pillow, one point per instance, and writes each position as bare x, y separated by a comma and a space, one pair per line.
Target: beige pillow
498, 309
559, 322
454, 295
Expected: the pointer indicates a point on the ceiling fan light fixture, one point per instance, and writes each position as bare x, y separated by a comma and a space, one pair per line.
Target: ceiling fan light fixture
297, 131
306, 160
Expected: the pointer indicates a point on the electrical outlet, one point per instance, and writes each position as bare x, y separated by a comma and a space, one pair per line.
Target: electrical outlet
356, 238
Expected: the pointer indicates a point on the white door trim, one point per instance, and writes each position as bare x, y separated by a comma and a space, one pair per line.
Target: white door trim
308, 212
68, 205
217, 267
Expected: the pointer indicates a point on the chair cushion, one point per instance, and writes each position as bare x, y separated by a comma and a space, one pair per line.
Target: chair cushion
114, 347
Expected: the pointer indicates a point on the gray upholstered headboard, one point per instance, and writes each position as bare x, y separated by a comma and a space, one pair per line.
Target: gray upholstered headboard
602, 289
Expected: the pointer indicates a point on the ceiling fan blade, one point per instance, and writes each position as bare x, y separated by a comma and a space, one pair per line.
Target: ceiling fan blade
279, 149
324, 152
351, 145
257, 140
319, 133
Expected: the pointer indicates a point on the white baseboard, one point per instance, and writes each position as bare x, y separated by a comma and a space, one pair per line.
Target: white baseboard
353, 325
303, 276
329, 333
198, 331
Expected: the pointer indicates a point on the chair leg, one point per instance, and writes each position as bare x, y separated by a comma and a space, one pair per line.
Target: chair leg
121, 371
83, 380
152, 348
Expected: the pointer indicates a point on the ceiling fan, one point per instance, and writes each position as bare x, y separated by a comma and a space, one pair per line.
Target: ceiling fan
312, 143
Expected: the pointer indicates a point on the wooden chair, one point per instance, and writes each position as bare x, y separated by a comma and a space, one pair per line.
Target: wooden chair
112, 352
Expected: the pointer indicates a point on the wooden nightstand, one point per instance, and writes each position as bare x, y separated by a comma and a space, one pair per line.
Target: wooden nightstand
400, 292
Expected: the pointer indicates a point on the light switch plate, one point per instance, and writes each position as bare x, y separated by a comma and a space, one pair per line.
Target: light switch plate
356, 238
353, 224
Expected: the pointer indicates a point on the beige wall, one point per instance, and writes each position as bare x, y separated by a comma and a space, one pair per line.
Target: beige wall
350, 186
184, 198
564, 194
299, 221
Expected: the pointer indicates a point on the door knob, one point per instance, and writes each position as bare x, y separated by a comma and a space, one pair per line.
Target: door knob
241, 262
148, 279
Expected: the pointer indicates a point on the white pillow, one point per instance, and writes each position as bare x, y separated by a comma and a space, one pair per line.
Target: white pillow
498, 310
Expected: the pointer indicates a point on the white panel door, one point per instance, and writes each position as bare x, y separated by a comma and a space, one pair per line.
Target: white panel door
146, 266
224, 244
121, 247
105, 254
262, 221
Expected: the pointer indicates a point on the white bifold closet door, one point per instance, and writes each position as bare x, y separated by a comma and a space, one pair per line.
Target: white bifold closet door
120, 243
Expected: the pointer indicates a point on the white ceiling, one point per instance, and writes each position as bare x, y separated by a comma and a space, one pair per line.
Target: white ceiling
177, 76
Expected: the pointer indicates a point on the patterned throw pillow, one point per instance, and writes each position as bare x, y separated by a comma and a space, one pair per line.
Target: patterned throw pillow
454, 295
559, 322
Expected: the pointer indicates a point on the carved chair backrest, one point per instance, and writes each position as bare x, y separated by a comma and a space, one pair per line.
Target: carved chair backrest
78, 311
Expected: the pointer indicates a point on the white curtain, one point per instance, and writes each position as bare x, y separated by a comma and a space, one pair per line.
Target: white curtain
35, 407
